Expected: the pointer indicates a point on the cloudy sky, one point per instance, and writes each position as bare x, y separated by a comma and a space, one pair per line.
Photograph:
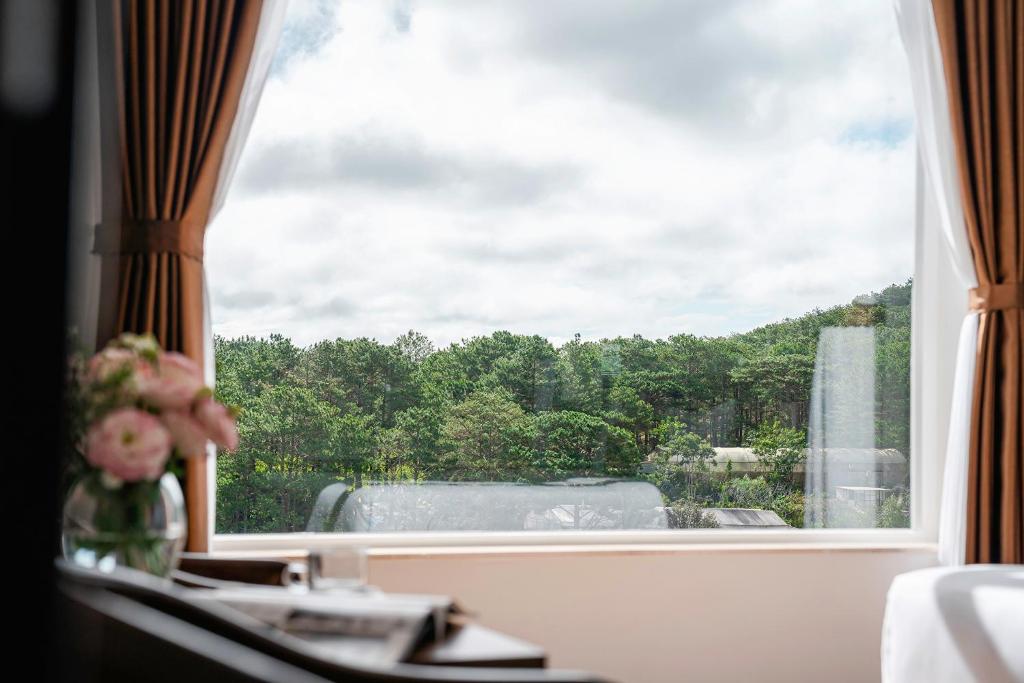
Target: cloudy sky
567, 166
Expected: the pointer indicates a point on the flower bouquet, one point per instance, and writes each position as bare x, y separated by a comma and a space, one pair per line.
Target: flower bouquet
137, 413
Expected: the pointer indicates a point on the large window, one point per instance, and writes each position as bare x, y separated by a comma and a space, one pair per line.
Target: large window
518, 266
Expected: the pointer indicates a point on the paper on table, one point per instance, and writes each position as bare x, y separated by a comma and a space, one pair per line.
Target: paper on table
362, 626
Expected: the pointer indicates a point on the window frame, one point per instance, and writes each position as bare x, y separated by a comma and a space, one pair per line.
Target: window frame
938, 306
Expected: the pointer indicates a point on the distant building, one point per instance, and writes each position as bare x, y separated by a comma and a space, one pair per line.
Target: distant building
746, 518
870, 467
866, 496
577, 503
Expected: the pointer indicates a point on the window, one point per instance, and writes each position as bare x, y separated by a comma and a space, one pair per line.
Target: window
555, 266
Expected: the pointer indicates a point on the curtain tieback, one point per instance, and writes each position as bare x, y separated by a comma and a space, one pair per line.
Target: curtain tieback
149, 237
997, 297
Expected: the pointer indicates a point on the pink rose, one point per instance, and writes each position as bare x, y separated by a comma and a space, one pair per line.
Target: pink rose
175, 386
188, 433
111, 360
218, 422
129, 444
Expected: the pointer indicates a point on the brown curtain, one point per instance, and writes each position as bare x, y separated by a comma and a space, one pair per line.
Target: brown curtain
179, 71
982, 43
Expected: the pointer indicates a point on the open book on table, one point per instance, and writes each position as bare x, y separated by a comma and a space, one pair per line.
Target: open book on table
363, 626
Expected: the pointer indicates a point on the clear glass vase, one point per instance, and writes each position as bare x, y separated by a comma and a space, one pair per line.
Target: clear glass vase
139, 525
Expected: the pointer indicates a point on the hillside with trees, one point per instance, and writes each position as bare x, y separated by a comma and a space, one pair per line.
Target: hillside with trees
515, 408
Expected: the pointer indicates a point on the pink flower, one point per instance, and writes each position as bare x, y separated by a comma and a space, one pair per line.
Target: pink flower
218, 422
188, 433
129, 444
176, 385
111, 360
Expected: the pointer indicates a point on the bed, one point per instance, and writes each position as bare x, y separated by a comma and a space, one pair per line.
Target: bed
955, 624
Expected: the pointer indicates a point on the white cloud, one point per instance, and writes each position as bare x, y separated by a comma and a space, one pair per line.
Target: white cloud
553, 168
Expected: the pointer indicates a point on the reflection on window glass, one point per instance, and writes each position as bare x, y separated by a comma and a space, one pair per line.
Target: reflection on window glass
507, 266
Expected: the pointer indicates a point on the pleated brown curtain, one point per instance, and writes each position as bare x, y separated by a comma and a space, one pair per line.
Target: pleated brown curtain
180, 68
982, 44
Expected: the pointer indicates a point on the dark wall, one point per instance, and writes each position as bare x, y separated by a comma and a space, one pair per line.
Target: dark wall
37, 41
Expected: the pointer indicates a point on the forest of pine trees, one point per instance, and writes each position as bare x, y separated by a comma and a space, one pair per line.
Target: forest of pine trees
515, 408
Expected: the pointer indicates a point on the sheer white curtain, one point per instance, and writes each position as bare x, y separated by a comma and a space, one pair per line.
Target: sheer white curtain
938, 162
271, 22
263, 51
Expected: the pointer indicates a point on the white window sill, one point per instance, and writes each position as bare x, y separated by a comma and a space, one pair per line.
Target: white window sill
577, 543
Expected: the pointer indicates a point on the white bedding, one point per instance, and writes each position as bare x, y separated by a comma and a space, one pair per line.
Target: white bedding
955, 624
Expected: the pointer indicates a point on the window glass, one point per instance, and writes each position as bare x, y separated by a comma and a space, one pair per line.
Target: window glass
570, 265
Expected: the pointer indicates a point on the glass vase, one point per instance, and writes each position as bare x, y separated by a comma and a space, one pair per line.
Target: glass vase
139, 525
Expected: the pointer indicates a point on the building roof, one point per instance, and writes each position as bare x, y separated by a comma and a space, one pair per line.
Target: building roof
862, 488
846, 455
849, 456
746, 518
